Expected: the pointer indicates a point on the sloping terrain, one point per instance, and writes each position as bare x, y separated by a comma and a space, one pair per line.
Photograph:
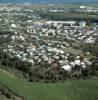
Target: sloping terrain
69, 90
6, 94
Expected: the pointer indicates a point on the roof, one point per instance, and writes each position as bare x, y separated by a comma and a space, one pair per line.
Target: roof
61, 22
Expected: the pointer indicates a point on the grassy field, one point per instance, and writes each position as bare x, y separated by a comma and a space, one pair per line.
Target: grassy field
69, 90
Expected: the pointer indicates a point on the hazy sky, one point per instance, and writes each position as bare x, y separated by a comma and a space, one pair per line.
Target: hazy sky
39, 1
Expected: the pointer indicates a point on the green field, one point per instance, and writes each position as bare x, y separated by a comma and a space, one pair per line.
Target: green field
69, 90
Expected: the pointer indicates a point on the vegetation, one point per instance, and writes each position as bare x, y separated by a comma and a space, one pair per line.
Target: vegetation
6, 94
69, 16
76, 90
43, 71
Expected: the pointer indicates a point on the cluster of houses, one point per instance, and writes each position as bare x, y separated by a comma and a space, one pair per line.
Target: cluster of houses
7, 8
67, 30
88, 9
45, 42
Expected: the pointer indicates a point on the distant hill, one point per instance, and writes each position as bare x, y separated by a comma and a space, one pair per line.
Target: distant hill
45, 1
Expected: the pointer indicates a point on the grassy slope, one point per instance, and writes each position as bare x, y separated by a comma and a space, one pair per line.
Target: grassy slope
70, 90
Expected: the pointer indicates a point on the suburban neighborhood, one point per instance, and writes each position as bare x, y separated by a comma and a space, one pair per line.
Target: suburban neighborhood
47, 43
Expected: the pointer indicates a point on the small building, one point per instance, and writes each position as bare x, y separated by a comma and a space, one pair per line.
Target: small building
82, 24
62, 22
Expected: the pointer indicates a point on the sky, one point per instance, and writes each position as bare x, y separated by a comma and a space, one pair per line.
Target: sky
45, 1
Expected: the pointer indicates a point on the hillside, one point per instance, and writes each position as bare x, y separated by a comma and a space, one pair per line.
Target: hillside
69, 90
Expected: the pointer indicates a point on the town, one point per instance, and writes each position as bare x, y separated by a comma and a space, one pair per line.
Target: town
54, 44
